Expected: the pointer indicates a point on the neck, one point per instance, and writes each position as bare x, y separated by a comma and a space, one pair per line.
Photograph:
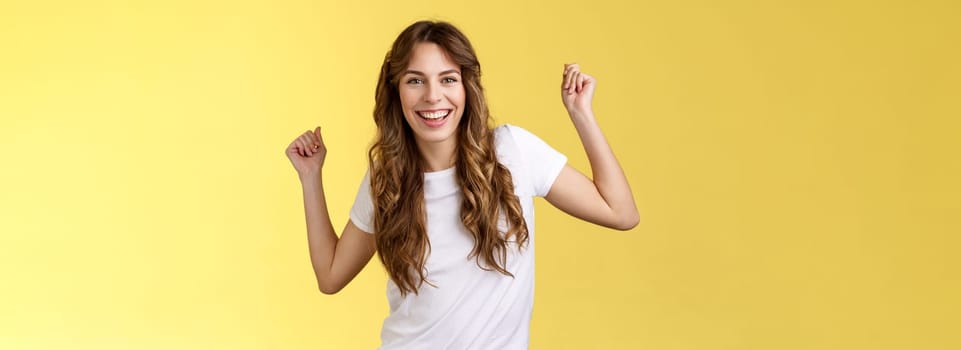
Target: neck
438, 155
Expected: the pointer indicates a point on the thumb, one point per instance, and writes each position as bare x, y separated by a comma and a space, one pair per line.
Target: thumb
317, 132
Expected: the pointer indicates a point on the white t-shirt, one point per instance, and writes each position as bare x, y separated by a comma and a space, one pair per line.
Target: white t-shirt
469, 308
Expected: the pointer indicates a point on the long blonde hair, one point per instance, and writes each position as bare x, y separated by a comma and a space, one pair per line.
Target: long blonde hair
396, 168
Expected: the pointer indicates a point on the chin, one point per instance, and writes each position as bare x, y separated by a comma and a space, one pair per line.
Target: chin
435, 135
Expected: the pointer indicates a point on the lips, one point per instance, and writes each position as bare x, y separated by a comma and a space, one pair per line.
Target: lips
434, 118
434, 113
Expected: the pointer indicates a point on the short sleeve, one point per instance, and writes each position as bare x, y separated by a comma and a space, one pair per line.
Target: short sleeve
362, 212
544, 163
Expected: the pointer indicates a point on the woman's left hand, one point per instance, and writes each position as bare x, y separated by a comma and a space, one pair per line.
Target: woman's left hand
577, 90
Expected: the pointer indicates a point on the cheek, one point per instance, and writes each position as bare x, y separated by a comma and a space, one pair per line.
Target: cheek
406, 103
405, 98
460, 97
461, 101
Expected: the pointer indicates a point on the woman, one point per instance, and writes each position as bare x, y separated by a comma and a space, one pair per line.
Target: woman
447, 202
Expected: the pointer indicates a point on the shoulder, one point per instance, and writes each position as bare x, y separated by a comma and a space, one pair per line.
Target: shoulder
508, 130
528, 154
512, 135
509, 154
519, 139
505, 141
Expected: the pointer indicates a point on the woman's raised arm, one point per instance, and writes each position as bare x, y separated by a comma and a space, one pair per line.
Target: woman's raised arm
607, 199
335, 261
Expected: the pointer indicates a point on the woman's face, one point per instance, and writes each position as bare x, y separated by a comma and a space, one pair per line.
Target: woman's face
432, 94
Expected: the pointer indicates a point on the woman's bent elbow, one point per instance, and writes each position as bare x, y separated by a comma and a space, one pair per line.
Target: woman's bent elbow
329, 289
629, 222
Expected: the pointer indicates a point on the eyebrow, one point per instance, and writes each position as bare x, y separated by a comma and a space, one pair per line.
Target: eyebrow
449, 71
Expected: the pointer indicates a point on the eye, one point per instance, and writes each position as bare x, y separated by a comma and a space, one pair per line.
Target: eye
448, 80
414, 81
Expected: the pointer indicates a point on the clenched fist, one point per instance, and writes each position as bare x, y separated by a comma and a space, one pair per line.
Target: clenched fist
577, 90
307, 153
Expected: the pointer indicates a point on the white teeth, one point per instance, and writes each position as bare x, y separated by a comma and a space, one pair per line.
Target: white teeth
434, 115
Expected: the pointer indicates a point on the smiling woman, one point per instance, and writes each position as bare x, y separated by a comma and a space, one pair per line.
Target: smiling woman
432, 98
447, 203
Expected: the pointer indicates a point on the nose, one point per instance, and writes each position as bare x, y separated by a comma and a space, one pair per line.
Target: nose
433, 94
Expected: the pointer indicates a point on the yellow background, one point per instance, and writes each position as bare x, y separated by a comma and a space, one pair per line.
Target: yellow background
796, 165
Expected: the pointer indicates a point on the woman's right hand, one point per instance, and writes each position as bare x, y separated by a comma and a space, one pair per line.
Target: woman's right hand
307, 153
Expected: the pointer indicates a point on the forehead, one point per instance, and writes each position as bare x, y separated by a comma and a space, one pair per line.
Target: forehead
431, 59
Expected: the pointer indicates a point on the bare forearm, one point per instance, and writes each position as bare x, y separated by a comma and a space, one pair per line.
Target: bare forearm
607, 174
322, 241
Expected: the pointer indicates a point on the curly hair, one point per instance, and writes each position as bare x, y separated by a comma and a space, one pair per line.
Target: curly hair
396, 169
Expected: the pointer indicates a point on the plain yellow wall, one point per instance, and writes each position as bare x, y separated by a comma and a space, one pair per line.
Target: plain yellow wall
796, 165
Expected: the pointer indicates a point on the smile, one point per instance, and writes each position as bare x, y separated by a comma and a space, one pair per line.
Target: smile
434, 118
435, 114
